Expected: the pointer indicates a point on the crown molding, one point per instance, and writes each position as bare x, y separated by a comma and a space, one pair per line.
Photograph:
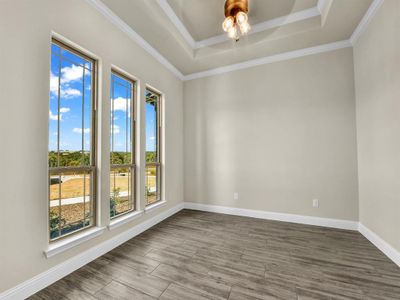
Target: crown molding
177, 22
270, 59
133, 35
263, 26
371, 12
376, 4
321, 5
256, 28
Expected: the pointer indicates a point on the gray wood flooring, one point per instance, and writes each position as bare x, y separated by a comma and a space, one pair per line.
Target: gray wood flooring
198, 255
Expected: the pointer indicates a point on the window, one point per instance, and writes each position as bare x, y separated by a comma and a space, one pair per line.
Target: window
122, 177
71, 152
153, 153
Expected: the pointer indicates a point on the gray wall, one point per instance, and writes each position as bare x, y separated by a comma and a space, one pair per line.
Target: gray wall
25, 33
280, 135
377, 78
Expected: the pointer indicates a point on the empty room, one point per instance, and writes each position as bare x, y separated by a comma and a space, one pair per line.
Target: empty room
200, 149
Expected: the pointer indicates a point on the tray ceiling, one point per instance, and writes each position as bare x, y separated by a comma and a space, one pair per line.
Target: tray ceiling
203, 18
187, 34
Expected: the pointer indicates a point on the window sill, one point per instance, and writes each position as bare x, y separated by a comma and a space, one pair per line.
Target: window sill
155, 205
72, 241
119, 221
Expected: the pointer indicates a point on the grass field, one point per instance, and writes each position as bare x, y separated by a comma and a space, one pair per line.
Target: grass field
72, 188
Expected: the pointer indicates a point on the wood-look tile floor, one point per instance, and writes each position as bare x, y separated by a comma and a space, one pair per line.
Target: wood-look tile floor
198, 255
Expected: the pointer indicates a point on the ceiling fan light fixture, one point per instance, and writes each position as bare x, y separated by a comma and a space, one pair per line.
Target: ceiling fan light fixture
245, 28
236, 18
228, 23
233, 33
241, 18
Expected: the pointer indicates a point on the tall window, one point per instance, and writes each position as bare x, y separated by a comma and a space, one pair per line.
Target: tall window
71, 141
122, 146
153, 153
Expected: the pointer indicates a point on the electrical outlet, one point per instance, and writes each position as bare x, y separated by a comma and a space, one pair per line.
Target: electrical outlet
235, 196
315, 203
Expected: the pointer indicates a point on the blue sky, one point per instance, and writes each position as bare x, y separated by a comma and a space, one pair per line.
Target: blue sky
74, 89
151, 127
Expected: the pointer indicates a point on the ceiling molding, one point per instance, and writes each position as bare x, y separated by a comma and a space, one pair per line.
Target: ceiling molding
322, 5
117, 21
105, 11
177, 22
371, 12
263, 26
270, 59
259, 27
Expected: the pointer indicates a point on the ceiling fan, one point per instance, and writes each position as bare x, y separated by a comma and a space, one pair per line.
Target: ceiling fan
236, 19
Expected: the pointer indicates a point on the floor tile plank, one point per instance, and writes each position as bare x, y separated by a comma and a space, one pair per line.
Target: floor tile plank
199, 255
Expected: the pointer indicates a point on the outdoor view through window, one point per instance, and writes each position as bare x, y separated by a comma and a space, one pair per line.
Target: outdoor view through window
122, 143
71, 141
153, 165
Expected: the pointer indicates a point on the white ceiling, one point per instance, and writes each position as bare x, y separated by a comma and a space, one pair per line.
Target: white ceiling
186, 35
203, 18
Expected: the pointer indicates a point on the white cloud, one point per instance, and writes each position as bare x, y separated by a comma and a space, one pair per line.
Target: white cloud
152, 138
69, 93
53, 83
53, 117
116, 129
79, 130
72, 73
64, 110
68, 74
120, 104
65, 91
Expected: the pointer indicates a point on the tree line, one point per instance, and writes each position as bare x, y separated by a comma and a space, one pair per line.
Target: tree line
75, 158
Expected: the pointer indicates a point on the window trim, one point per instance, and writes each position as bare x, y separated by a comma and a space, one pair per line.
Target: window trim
92, 167
133, 165
124, 218
159, 156
64, 244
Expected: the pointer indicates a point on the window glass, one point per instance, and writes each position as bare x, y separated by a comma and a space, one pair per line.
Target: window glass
121, 145
70, 154
153, 163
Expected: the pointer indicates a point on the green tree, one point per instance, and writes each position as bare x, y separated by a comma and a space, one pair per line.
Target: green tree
113, 202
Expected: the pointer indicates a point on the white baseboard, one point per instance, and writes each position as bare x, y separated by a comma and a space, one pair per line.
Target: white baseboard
333, 223
387, 249
50, 276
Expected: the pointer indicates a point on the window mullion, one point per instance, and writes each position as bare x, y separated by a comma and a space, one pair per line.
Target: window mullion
71, 170
122, 156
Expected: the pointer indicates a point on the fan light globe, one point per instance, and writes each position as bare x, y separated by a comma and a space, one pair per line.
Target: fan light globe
232, 33
228, 24
236, 19
245, 28
241, 18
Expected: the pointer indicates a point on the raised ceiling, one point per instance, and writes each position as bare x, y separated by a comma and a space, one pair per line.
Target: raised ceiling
203, 18
188, 33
